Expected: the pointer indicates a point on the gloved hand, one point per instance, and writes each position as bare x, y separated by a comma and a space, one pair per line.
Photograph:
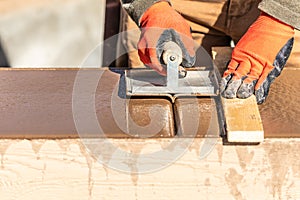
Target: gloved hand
159, 25
258, 59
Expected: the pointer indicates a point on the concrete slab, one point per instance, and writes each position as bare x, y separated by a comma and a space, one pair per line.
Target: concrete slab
38, 103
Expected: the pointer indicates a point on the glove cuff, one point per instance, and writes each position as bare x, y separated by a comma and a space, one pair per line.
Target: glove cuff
136, 8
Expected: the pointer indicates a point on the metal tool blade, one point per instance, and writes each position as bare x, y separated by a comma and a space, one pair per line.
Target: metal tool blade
147, 82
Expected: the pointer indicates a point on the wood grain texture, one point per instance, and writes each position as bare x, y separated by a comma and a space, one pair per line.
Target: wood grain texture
62, 169
243, 121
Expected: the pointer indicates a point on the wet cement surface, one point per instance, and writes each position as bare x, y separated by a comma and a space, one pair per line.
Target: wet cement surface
196, 117
281, 111
38, 104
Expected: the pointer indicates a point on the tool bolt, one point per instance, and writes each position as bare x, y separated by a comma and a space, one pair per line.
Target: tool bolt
172, 58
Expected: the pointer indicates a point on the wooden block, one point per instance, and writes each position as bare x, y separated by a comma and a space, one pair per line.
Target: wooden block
243, 121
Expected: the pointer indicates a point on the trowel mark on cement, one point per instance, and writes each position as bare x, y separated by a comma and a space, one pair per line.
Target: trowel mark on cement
100, 150
282, 157
134, 150
196, 146
36, 146
244, 156
104, 152
233, 179
90, 162
4, 144
220, 153
64, 144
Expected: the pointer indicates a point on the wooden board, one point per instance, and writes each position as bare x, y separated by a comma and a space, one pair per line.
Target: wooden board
243, 121
63, 169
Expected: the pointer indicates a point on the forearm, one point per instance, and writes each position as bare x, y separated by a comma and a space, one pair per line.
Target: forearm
136, 8
287, 11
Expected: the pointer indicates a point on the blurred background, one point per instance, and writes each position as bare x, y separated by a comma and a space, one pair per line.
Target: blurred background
49, 33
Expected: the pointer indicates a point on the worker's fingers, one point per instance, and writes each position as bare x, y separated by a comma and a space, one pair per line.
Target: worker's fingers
151, 47
254, 79
259, 79
224, 82
148, 52
142, 48
149, 58
246, 90
156, 64
272, 71
184, 41
242, 70
264, 82
247, 87
251, 81
233, 64
232, 86
227, 75
188, 51
189, 44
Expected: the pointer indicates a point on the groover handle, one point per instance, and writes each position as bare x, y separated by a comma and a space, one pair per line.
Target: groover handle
172, 53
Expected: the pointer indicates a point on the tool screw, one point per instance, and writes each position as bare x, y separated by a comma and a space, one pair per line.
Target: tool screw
172, 58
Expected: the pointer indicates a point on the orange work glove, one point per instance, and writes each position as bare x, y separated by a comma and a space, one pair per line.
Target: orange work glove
159, 25
258, 59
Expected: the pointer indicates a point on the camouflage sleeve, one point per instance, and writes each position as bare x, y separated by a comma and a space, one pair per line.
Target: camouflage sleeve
136, 8
287, 11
